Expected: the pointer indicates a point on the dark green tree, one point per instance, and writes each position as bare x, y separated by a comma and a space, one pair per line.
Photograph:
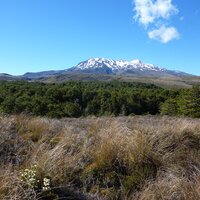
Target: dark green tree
169, 107
189, 102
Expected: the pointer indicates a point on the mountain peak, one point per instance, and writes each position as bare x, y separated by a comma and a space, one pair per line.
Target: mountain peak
121, 67
136, 61
104, 65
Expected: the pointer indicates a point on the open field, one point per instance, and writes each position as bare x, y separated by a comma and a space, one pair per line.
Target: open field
136, 158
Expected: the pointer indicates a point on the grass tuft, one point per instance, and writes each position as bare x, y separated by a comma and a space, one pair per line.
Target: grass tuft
136, 158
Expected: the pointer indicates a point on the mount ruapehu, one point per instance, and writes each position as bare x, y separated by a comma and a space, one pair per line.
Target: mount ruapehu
110, 67
107, 69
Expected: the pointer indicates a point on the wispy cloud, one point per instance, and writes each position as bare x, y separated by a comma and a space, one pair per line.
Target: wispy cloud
164, 34
155, 14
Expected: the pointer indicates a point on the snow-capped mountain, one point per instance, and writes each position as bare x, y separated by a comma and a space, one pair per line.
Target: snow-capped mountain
102, 66
116, 65
109, 66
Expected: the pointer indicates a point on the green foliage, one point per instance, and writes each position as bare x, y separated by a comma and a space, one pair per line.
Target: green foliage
72, 109
169, 107
76, 99
187, 103
190, 102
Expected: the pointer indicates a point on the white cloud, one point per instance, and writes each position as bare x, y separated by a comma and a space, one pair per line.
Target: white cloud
164, 34
148, 11
155, 14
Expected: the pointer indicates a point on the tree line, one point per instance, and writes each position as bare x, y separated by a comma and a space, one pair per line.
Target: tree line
76, 99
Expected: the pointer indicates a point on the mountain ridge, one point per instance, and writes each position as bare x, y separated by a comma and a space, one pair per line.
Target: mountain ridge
117, 64
104, 66
120, 67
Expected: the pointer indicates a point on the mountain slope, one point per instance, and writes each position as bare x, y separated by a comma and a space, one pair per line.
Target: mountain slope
120, 67
43, 74
8, 77
104, 70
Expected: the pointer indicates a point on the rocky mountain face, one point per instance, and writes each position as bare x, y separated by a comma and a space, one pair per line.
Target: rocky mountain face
120, 67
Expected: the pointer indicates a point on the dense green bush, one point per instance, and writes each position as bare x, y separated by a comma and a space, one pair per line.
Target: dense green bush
75, 99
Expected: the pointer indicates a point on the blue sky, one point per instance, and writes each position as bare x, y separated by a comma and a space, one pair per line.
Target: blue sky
37, 35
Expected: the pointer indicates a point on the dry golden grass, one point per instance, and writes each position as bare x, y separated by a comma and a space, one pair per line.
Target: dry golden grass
11, 186
140, 157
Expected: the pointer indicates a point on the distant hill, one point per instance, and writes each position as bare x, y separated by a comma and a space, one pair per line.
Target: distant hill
8, 77
43, 74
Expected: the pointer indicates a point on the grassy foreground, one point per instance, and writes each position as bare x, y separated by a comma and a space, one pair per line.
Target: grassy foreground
136, 158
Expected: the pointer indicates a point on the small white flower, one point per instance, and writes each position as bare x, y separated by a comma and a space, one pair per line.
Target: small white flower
46, 183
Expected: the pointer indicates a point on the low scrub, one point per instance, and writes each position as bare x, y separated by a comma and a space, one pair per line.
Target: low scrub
136, 158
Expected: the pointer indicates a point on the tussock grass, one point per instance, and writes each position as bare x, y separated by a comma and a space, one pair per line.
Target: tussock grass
11, 186
140, 157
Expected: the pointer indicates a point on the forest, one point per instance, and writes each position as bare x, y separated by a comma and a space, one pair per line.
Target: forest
77, 99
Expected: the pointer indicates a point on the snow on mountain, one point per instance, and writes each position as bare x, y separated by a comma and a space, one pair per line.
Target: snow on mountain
110, 66
106, 66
